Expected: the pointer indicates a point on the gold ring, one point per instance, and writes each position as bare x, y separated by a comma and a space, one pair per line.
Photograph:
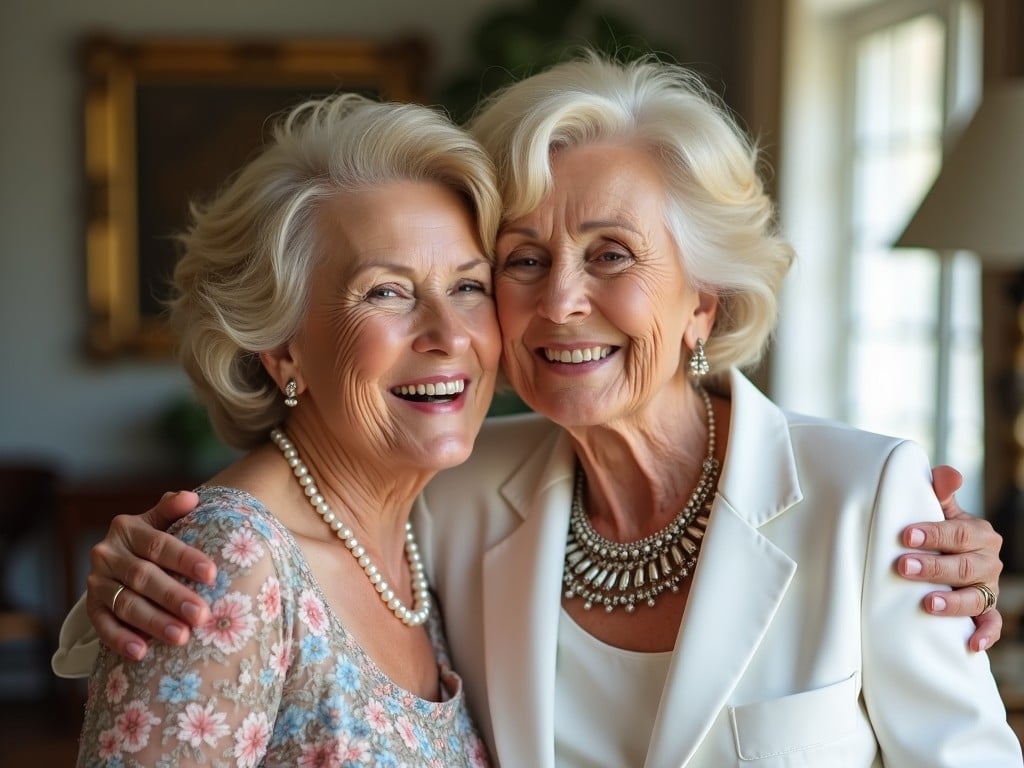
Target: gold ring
114, 602
988, 594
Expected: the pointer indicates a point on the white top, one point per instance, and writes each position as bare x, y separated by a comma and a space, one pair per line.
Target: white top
606, 699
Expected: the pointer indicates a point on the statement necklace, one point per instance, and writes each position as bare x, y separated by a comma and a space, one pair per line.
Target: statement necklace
413, 617
613, 574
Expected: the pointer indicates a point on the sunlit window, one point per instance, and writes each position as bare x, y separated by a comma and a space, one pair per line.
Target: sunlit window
914, 342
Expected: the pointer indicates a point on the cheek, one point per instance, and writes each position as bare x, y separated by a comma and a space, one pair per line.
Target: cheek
484, 329
515, 310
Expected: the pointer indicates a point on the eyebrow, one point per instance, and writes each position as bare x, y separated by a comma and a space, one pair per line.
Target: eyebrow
587, 226
466, 266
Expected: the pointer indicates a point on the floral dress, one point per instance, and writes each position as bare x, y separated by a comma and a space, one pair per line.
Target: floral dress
273, 679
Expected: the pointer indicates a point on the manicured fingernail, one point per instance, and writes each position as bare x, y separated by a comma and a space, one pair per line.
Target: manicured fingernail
204, 572
174, 633
938, 604
190, 611
135, 650
911, 566
982, 644
916, 537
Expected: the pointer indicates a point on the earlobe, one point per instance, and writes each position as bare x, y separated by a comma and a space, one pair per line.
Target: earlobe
283, 368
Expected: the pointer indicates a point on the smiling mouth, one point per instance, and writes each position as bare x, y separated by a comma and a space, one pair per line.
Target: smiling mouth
575, 356
438, 392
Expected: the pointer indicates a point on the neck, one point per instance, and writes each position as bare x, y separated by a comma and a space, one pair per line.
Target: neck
374, 500
640, 474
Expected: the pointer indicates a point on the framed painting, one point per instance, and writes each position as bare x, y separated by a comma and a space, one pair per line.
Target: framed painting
167, 121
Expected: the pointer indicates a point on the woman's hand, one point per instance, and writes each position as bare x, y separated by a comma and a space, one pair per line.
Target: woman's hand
970, 555
137, 554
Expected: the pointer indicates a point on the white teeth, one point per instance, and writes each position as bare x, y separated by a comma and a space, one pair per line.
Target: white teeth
577, 355
438, 389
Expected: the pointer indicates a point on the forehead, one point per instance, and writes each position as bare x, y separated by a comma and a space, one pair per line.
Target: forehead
397, 220
604, 180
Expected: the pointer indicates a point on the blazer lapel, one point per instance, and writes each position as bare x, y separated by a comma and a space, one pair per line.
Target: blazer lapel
522, 577
739, 582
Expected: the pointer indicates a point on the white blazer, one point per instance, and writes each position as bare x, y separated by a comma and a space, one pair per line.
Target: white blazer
800, 646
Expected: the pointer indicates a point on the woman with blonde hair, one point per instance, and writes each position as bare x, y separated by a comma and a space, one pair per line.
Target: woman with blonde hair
334, 308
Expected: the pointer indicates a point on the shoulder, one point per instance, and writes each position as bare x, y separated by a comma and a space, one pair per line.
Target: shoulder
884, 475
845, 447
237, 532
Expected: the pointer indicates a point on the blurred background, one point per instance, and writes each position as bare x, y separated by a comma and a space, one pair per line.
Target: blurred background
856, 103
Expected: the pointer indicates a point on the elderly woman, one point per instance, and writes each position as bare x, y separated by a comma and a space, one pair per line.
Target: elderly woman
653, 571
334, 305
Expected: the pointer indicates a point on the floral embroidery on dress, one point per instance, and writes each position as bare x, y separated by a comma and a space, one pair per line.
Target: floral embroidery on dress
273, 678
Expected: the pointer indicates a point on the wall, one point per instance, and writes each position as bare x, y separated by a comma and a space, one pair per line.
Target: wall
92, 418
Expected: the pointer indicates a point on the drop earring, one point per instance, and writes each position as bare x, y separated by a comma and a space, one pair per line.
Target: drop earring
291, 391
699, 365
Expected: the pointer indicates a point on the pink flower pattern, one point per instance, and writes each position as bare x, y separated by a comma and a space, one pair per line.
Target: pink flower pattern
242, 548
231, 625
201, 725
269, 600
251, 667
312, 612
251, 740
133, 726
117, 685
377, 717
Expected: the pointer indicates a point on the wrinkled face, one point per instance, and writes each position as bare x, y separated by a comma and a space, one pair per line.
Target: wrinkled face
592, 298
400, 346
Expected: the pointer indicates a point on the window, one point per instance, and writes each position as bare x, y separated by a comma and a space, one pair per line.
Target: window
905, 343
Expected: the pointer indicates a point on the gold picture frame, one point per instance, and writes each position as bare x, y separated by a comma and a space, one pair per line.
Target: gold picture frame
167, 120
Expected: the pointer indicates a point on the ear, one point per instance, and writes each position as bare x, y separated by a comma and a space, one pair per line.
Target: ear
702, 320
281, 364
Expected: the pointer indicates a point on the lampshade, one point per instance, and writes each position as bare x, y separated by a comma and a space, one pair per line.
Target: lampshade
977, 201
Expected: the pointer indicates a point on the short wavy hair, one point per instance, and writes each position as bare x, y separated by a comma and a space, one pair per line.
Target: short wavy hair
242, 283
718, 211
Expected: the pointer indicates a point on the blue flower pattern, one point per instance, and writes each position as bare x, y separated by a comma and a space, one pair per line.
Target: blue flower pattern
276, 686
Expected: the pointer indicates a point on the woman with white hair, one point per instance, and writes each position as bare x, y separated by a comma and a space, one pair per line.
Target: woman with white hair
335, 314
659, 567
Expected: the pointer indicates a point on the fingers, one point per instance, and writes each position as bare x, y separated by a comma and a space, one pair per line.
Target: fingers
954, 570
969, 537
122, 639
989, 630
143, 536
150, 591
968, 602
946, 481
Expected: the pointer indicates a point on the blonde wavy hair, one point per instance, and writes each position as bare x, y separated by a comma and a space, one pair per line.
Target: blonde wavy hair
242, 283
718, 212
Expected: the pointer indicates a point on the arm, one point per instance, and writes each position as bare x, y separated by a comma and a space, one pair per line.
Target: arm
931, 701
194, 703
136, 552
969, 549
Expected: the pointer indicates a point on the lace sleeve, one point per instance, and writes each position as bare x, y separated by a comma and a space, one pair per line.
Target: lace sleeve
216, 698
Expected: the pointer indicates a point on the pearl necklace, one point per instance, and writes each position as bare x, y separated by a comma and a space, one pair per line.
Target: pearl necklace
614, 574
420, 589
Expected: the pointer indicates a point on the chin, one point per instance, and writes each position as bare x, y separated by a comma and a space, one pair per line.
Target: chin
447, 453
572, 408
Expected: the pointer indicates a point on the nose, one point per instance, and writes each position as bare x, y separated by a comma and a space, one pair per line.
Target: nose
443, 330
563, 296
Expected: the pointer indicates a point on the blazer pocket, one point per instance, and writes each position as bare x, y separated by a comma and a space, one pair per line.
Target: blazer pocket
796, 723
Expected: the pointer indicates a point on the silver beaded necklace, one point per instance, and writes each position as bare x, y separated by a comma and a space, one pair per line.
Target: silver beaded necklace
411, 617
613, 574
